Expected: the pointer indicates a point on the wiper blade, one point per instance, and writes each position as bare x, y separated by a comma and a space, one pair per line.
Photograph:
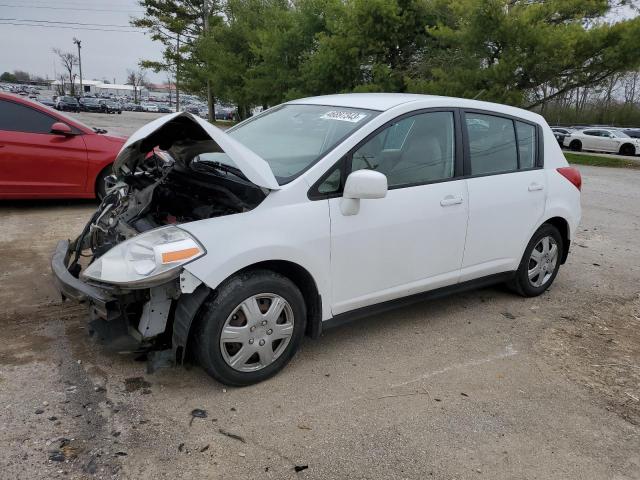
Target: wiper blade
99, 130
220, 167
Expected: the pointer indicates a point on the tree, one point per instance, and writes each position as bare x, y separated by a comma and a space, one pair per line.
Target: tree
137, 78
369, 45
177, 24
22, 76
60, 89
523, 52
8, 77
68, 61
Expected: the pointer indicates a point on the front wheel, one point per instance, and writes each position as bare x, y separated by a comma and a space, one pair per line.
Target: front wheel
540, 262
251, 329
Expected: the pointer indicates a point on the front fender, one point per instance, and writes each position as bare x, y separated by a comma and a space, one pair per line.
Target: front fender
296, 233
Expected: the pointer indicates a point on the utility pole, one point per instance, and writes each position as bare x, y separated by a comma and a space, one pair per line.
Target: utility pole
78, 42
177, 73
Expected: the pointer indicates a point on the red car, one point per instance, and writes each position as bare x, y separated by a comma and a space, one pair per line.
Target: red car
45, 154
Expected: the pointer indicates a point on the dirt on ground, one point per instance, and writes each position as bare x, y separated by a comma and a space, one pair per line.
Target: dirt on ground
484, 384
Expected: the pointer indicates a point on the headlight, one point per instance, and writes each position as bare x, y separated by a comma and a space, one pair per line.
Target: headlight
149, 258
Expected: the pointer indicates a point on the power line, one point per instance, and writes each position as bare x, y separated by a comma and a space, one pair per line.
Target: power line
64, 22
72, 3
73, 8
71, 27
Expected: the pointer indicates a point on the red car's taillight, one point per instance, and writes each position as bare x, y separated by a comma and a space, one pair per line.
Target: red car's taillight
573, 175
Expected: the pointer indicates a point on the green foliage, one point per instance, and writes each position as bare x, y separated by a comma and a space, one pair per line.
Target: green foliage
601, 161
8, 77
624, 115
506, 51
520, 52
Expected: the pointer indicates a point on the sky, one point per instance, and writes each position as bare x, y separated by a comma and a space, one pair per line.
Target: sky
105, 54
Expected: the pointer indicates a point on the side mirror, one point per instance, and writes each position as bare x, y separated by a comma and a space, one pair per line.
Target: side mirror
362, 184
60, 128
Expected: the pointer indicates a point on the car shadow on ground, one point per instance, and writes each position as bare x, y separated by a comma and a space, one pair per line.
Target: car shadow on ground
46, 203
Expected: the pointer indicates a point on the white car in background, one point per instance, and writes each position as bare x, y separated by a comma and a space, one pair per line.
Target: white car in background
236, 244
150, 107
602, 140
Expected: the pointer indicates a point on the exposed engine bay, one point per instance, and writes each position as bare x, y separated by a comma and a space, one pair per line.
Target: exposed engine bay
159, 189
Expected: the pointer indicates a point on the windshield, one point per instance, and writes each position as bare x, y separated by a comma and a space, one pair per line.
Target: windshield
291, 138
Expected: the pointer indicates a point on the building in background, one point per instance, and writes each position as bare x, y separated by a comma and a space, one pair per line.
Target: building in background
98, 88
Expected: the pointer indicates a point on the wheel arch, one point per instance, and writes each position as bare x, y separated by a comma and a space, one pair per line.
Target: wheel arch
563, 227
188, 306
301, 277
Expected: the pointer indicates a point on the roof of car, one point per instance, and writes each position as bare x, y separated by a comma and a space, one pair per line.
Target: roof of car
386, 101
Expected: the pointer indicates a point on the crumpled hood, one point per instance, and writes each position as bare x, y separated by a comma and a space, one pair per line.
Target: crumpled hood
174, 128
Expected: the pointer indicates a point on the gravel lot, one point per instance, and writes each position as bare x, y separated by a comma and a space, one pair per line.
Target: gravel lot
479, 385
124, 124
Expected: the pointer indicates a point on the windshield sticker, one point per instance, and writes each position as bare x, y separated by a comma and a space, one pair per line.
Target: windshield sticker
353, 117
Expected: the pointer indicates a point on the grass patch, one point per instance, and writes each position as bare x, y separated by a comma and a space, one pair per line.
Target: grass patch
599, 161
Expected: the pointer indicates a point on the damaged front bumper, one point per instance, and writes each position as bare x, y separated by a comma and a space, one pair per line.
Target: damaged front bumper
110, 310
156, 320
70, 287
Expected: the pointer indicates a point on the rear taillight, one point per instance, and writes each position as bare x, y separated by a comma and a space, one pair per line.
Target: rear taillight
573, 175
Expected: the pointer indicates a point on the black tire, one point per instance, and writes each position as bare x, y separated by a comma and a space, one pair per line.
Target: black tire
575, 145
101, 188
521, 283
628, 149
215, 312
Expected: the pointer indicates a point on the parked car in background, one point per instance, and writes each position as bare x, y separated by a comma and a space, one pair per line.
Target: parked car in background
602, 140
223, 113
165, 109
560, 133
318, 211
632, 132
67, 104
149, 107
47, 101
133, 107
90, 104
45, 154
110, 106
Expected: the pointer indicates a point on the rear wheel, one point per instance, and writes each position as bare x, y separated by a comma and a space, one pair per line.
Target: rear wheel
540, 262
627, 149
575, 145
251, 329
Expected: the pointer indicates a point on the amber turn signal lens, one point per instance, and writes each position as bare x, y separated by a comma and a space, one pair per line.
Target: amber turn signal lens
176, 256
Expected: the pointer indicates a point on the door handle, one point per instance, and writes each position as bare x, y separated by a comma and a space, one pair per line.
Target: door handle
534, 187
450, 200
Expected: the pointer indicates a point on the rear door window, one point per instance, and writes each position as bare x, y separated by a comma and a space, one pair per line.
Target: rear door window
492, 144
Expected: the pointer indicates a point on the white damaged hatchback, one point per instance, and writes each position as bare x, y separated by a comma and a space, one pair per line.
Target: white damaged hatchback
228, 247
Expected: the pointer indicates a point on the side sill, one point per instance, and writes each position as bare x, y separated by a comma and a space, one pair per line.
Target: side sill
378, 308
